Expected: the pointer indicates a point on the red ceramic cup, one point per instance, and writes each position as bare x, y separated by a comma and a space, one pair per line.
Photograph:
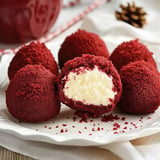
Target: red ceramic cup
25, 20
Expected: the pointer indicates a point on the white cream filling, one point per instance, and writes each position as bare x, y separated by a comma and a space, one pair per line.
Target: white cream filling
90, 86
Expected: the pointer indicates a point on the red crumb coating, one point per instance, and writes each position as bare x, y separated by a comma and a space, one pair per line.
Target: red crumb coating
141, 88
32, 94
129, 52
89, 62
34, 53
81, 42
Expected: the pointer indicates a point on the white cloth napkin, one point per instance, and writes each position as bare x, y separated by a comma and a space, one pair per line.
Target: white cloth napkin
45, 151
102, 22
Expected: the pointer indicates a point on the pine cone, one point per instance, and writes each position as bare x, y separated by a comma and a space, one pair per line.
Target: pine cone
132, 15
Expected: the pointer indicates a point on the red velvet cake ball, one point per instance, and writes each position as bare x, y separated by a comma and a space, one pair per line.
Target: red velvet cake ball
32, 94
81, 42
141, 88
129, 52
90, 84
34, 53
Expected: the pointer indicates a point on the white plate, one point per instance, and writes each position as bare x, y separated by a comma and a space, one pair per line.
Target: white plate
68, 129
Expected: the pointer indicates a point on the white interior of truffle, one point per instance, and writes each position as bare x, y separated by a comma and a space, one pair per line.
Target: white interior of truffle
90, 86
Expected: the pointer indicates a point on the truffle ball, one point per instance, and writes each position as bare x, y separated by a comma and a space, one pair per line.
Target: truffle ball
141, 88
81, 42
129, 52
34, 53
90, 84
32, 94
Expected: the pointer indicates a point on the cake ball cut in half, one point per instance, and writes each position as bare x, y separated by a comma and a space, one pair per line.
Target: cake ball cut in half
81, 42
90, 84
131, 51
141, 88
34, 54
32, 94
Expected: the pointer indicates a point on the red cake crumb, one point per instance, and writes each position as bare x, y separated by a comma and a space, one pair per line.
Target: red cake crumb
34, 54
110, 117
84, 115
116, 126
81, 42
123, 118
32, 94
84, 65
74, 119
131, 51
125, 128
141, 88
134, 125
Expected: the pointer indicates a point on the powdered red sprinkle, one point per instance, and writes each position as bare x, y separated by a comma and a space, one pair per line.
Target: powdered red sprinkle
90, 134
125, 128
73, 126
110, 117
85, 127
98, 129
148, 117
57, 126
79, 132
61, 130
64, 125
126, 122
50, 128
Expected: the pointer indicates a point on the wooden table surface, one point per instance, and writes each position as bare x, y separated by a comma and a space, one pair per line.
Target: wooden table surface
9, 155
